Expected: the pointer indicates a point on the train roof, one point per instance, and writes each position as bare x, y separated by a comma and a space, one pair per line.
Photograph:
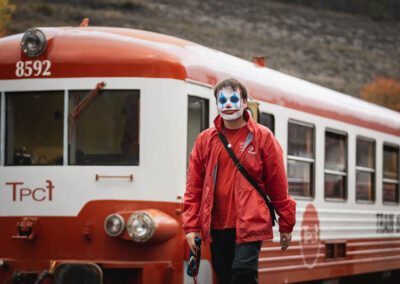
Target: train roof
119, 52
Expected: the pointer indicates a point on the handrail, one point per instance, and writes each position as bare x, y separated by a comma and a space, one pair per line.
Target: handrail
101, 176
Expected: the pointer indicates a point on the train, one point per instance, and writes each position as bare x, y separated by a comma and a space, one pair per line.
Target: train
97, 125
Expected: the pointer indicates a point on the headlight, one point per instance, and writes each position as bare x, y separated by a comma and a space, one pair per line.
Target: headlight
140, 226
114, 225
33, 42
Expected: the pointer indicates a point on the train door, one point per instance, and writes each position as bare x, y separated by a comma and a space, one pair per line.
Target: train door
200, 113
2, 131
263, 118
198, 120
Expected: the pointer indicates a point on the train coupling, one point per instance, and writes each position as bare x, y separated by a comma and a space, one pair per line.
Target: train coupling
29, 277
4, 265
27, 229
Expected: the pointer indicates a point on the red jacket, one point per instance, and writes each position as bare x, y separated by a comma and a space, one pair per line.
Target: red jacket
263, 160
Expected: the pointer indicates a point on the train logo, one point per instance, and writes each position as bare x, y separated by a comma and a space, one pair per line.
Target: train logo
38, 194
310, 236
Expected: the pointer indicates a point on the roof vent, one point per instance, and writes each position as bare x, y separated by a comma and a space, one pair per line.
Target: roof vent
259, 61
85, 22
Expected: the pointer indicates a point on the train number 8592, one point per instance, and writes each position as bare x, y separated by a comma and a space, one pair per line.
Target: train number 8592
33, 68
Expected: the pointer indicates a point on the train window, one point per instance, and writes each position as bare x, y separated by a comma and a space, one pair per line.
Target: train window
365, 170
1, 128
198, 117
268, 120
105, 131
335, 165
301, 159
34, 128
390, 188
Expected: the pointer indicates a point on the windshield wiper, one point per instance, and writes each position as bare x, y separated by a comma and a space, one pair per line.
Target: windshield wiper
84, 102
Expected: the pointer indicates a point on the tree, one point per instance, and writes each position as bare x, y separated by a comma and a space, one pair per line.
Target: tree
5, 13
383, 91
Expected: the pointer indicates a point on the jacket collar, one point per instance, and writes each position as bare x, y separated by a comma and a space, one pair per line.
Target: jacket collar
251, 124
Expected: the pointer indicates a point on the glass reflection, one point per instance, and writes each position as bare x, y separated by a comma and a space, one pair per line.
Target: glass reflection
390, 162
365, 186
300, 178
335, 152
301, 140
334, 186
365, 153
390, 192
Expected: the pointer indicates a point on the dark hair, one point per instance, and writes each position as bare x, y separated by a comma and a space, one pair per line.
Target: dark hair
234, 85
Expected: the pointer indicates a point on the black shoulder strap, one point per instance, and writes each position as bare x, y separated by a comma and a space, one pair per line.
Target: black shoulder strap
240, 167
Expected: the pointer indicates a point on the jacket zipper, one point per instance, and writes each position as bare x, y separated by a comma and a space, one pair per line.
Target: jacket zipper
215, 172
249, 139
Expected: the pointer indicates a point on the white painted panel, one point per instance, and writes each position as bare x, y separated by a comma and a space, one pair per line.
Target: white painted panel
346, 219
161, 173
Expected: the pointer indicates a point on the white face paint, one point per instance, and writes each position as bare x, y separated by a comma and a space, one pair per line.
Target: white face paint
230, 104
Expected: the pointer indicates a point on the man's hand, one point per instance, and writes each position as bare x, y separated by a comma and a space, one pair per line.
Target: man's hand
286, 238
190, 239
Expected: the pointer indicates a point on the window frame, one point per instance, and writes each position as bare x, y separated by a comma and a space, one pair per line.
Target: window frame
5, 131
273, 120
206, 119
71, 93
365, 170
2, 127
303, 159
334, 172
391, 181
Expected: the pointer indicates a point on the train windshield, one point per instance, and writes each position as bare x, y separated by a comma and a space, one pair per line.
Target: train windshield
34, 128
106, 130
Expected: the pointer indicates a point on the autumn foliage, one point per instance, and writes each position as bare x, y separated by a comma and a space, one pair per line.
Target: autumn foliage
6, 10
384, 92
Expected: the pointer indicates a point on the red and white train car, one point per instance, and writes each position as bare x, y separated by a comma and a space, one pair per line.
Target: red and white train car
96, 128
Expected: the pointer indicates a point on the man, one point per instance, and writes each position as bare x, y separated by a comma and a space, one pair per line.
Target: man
220, 205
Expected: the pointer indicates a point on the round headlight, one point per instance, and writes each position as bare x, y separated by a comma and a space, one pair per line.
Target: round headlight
33, 42
140, 226
114, 225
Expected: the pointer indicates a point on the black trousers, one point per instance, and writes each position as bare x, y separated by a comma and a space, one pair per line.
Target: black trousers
232, 263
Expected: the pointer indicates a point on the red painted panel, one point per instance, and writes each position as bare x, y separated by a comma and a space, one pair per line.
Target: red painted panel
63, 239
76, 53
116, 52
363, 256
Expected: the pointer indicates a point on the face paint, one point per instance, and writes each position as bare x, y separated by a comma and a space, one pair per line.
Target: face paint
230, 104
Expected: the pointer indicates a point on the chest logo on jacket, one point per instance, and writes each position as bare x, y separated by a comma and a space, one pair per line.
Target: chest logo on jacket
250, 148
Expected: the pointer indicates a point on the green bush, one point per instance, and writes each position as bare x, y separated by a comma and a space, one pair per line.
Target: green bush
42, 8
375, 9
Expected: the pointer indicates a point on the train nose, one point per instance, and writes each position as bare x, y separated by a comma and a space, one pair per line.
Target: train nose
146, 225
89, 273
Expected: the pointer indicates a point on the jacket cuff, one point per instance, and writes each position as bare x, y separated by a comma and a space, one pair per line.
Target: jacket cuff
285, 229
189, 230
